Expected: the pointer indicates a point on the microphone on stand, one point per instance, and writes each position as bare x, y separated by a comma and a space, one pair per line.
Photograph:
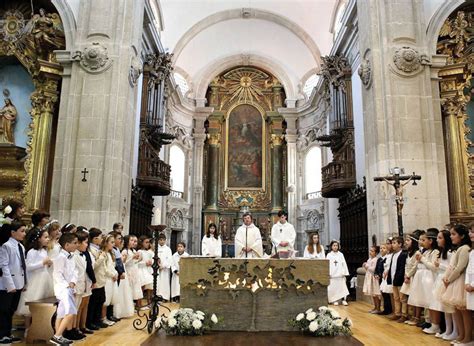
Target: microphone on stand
246, 236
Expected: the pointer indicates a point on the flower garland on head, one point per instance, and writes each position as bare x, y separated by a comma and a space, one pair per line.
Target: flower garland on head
5, 220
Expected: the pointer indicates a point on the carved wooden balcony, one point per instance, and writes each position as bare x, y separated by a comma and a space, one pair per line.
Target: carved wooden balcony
153, 173
338, 177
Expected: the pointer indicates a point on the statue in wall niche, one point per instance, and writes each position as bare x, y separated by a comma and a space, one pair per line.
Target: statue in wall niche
8, 116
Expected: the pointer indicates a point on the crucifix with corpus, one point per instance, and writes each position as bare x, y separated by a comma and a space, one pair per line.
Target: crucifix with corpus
398, 182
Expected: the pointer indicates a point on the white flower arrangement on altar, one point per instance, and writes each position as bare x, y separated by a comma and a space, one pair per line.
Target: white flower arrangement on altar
187, 322
323, 322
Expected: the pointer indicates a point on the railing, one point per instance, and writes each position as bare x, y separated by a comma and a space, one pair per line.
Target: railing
153, 173
337, 177
314, 195
176, 194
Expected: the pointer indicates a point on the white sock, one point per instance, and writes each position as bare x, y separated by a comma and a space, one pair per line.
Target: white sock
449, 323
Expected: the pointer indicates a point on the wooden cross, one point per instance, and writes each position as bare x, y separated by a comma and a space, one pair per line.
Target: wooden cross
84, 171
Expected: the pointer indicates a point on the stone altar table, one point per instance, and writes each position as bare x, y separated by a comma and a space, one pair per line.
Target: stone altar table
253, 294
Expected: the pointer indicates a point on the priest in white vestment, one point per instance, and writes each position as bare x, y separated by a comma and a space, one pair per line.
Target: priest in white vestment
248, 241
165, 256
283, 235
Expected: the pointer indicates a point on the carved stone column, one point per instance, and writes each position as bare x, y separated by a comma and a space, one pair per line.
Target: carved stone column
292, 157
402, 120
213, 161
199, 137
96, 126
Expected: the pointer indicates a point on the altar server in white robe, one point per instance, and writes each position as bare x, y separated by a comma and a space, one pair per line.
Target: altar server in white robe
175, 288
211, 245
165, 258
283, 235
338, 271
248, 241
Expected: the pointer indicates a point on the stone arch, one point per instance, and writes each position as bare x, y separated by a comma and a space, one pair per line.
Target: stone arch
214, 68
68, 20
437, 21
248, 14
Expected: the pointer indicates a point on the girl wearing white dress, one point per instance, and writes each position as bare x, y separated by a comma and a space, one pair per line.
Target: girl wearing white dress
165, 258
470, 275
40, 281
371, 282
412, 246
175, 287
442, 263
338, 271
211, 245
111, 274
454, 281
130, 258
421, 287
124, 306
54, 232
144, 266
314, 249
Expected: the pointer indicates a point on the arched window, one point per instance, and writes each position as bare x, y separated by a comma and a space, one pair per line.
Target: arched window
310, 84
182, 83
177, 162
313, 178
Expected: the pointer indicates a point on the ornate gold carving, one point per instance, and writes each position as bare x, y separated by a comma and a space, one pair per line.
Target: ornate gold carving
455, 34
231, 199
276, 140
214, 138
33, 44
245, 85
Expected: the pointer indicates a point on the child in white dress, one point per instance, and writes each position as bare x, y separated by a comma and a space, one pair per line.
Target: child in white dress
130, 258
124, 306
371, 283
411, 245
314, 249
40, 283
111, 275
337, 289
470, 275
211, 245
164, 255
421, 287
175, 287
145, 270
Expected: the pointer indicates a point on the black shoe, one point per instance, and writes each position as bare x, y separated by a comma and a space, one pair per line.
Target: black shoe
14, 339
72, 335
425, 325
93, 327
87, 331
113, 319
5, 340
102, 325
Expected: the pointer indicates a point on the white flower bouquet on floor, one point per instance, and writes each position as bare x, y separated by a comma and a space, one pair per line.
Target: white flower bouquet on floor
187, 322
323, 322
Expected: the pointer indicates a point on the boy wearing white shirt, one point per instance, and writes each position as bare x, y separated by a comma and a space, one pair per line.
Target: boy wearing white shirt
165, 257
65, 280
12, 278
175, 287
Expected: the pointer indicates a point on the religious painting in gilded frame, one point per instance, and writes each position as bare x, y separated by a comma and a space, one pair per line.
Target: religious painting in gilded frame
245, 152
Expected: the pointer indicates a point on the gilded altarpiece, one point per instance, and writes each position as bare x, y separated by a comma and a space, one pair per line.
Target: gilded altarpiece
456, 41
244, 152
28, 38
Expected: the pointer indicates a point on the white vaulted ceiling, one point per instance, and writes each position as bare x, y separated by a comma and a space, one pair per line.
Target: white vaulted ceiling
285, 37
